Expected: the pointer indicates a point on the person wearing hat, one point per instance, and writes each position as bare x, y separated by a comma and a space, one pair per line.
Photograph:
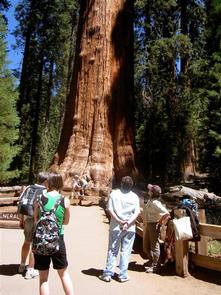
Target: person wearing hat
155, 214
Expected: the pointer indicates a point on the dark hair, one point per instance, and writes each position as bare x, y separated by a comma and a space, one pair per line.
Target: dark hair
126, 183
55, 181
41, 177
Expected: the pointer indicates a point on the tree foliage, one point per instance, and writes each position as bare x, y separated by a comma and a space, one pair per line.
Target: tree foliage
8, 116
46, 31
170, 36
211, 133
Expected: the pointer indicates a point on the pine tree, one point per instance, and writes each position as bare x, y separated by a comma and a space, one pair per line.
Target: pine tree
46, 31
8, 117
211, 89
169, 35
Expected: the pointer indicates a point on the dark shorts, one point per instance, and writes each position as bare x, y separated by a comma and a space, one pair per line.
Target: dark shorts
59, 259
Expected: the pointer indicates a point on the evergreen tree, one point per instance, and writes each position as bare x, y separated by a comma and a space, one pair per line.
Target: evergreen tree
169, 42
46, 31
211, 89
8, 117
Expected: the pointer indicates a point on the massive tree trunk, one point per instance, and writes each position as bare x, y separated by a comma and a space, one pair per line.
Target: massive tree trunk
97, 136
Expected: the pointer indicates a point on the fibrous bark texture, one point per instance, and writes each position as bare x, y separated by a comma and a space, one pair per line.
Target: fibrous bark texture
97, 136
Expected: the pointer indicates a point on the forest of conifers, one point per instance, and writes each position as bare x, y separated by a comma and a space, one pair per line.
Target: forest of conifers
123, 86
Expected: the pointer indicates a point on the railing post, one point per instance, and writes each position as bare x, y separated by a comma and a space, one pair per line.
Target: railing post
202, 246
182, 256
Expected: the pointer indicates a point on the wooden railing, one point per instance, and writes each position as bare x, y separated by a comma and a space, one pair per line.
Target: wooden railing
183, 255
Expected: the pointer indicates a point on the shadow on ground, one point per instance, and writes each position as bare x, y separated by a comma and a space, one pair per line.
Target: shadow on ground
206, 275
9, 269
134, 266
92, 272
96, 272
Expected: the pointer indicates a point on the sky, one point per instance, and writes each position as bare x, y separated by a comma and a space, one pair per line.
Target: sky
14, 55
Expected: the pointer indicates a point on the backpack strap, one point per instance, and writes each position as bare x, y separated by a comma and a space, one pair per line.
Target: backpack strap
23, 192
55, 206
40, 202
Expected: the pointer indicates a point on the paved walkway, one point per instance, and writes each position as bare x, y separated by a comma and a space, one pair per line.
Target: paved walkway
86, 240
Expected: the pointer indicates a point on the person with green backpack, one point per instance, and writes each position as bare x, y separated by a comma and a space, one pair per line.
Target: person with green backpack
52, 209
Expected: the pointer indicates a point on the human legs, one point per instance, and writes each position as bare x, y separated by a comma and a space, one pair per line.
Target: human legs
146, 243
28, 233
25, 251
24, 254
127, 242
43, 282
66, 281
113, 249
154, 245
31, 273
31, 260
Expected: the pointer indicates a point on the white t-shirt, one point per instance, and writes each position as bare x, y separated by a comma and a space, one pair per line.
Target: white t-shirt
125, 206
154, 210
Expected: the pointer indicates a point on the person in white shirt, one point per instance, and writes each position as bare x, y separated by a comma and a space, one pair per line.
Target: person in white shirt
123, 207
155, 214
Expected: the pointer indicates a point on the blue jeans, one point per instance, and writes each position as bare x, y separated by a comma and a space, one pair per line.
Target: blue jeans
124, 241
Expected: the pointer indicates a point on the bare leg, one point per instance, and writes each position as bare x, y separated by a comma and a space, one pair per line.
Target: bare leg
66, 281
43, 282
25, 251
31, 260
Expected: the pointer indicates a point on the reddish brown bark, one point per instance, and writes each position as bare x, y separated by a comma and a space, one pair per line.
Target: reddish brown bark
98, 136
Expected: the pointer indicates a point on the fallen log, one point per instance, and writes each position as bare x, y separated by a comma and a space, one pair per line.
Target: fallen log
181, 190
201, 196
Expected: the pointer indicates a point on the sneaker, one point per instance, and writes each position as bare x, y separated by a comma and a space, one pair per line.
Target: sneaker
21, 268
123, 280
105, 278
31, 273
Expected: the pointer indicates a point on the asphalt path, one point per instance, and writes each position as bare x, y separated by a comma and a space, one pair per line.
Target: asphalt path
86, 239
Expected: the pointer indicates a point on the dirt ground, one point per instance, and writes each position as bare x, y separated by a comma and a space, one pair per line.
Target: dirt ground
86, 240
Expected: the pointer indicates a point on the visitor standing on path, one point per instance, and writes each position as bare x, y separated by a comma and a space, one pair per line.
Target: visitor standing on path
123, 207
155, 214
48, 199
26, 221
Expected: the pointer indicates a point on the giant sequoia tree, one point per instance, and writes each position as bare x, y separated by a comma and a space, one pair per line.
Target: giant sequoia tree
97, 136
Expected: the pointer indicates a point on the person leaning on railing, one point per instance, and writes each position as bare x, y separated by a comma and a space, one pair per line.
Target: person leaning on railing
155, 214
